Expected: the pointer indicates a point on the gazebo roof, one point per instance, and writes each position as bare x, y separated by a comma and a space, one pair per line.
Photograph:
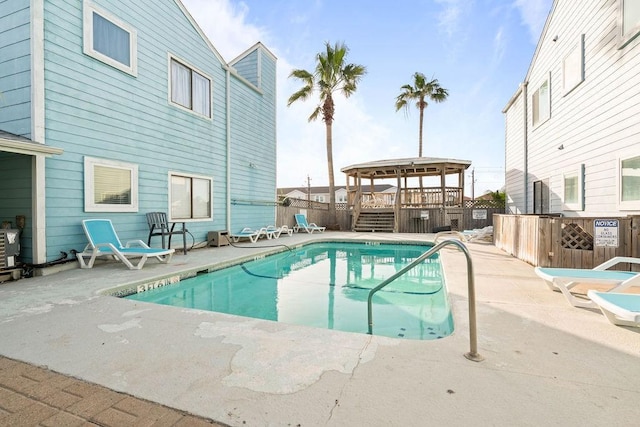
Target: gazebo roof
410, 167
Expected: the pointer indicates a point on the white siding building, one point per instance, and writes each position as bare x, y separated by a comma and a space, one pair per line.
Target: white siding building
321, 194
572, 128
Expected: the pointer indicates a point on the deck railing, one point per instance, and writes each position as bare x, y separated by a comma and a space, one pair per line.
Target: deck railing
427, 197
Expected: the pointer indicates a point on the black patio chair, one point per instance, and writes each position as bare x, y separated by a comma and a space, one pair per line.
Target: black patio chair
159, 226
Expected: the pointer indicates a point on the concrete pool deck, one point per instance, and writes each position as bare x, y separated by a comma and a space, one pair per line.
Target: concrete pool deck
545, 361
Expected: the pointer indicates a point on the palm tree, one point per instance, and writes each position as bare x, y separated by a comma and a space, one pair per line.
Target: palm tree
422, 91
332, 74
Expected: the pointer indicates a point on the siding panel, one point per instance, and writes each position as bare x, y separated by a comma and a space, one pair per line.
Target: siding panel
15, 67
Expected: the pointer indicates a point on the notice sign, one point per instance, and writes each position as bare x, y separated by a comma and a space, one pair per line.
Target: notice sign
479, 214
606, 232
424, 215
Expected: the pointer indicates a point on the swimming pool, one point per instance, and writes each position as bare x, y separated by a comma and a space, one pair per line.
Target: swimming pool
325, 285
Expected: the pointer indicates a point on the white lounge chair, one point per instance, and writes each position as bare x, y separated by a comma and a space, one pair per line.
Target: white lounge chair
248, 233
286, 230
564, 279
447, 235
619, 309
274, 232
466, 235
479, 233
103, 241
303, 225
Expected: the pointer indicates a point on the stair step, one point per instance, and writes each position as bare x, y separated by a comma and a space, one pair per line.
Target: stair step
375, 221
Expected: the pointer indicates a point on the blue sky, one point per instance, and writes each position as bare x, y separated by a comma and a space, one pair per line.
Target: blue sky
478, 49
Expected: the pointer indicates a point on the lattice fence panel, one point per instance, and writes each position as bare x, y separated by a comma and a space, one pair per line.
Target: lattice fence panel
576, 237
478, 204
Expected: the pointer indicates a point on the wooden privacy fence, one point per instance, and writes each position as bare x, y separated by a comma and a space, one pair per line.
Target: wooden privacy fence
476, 214
430, 220
315, 211
547, 241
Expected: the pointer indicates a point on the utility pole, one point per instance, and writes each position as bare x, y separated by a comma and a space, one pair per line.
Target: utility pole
308, 191
473, 184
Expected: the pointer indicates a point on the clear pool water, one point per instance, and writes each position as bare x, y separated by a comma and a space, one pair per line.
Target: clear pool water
325, 285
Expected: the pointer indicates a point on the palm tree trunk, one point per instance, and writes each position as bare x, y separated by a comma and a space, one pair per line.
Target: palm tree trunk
422, 198
420, 132
332, 193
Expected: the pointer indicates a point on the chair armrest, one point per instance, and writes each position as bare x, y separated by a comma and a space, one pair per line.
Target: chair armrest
131, 243
617, 260
107, 245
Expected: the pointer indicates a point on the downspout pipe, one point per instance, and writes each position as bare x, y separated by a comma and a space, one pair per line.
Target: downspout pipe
526, 147
228, 148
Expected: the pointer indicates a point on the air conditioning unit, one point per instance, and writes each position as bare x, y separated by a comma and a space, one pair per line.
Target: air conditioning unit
9, 247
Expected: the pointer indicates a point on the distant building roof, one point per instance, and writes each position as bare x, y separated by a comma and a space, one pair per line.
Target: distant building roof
325, 189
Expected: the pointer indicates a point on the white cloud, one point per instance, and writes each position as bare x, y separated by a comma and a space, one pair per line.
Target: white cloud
534, 14
449, 18
499, 46
224, 24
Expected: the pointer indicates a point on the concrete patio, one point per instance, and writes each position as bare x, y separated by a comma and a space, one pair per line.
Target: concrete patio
546, 363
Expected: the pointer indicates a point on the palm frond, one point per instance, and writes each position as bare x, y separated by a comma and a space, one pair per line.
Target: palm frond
301, 95
315, 114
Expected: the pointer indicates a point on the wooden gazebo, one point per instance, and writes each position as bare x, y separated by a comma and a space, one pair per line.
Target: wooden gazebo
381, 211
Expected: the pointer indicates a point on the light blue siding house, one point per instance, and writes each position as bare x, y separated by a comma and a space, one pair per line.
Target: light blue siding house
113, 108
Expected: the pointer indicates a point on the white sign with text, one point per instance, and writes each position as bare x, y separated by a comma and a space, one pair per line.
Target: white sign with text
606, 232
479, 214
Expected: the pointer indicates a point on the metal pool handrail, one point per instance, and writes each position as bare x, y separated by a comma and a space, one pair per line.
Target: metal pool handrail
473, 336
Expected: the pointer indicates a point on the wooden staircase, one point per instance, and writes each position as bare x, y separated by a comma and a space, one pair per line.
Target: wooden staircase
381, 221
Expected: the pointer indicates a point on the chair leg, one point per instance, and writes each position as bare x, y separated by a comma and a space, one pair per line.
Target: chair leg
165, 259
151, 228
128, 263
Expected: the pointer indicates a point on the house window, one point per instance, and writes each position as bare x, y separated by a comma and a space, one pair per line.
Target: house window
573, 67
110, 186
573, 189
629, 20
190, 88
318, 198
541, 103
190, 197
108, 39
541, 197
629, 183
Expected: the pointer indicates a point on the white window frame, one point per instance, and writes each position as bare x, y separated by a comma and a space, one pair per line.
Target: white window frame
628, 34
573, 67
629, 205
89, 183
88, 10
577, 205
190, 175
197, 70
535, 105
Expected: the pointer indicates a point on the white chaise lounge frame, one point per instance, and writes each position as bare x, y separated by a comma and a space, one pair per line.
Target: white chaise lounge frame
103, 241
565, 279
